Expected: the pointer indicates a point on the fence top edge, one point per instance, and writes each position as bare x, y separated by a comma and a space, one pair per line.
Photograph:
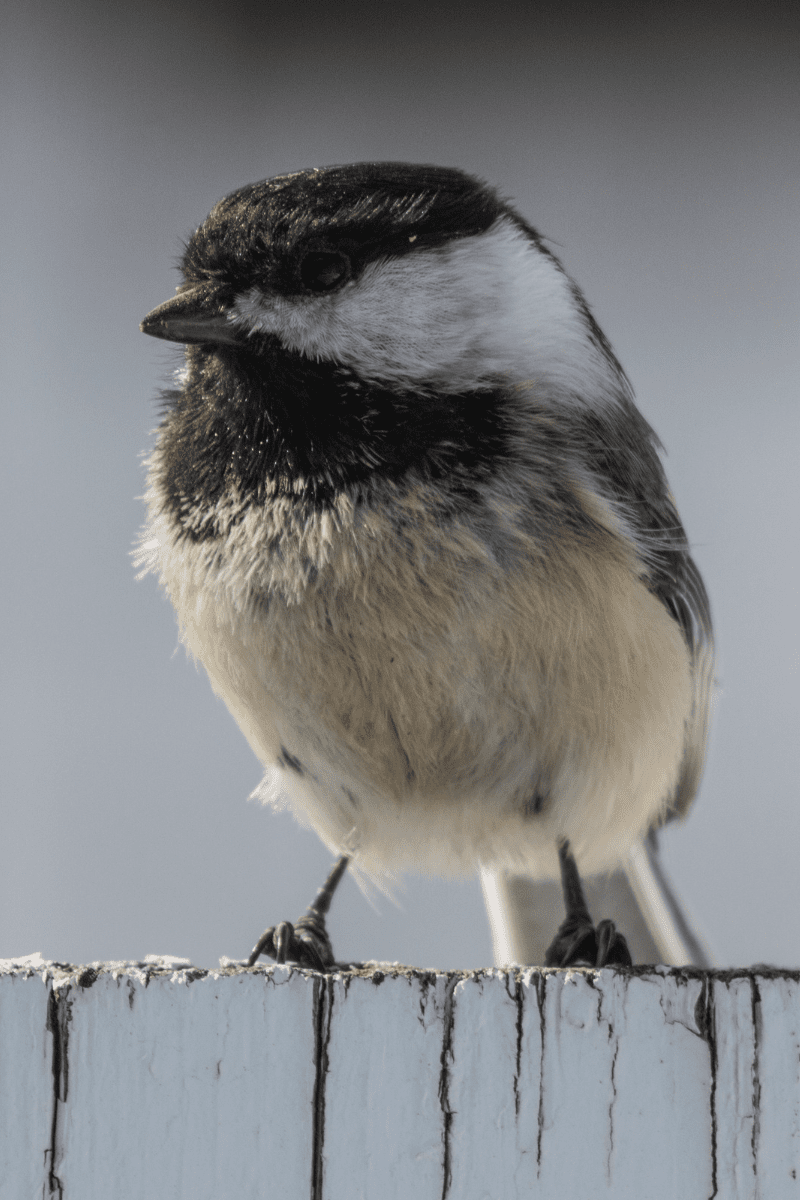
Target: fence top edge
182, 971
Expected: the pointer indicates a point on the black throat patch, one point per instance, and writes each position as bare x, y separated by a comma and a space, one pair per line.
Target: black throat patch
256, 424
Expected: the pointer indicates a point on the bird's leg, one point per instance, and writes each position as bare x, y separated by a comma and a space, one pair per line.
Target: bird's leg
305, 943
578, 943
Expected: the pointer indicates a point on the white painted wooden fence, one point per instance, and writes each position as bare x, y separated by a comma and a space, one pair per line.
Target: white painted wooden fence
128, 1081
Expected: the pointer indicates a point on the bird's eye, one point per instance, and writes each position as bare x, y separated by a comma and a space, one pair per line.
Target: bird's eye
324, 270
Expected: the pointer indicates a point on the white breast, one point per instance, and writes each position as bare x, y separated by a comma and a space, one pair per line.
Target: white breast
429, 695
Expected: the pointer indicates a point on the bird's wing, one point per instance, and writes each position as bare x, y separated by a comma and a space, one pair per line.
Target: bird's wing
622, 452
685, 596
523, 912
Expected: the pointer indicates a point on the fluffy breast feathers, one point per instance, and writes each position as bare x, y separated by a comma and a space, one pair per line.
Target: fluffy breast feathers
439, 707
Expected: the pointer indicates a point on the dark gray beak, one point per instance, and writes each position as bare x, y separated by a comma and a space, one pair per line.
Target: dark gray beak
195, 316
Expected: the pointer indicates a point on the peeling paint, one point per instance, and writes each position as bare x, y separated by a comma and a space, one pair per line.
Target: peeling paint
606, 1077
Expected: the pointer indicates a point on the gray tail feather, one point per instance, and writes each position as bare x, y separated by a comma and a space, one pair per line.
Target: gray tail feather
525, 913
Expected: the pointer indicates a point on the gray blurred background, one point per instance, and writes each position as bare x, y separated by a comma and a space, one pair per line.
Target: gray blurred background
658, 149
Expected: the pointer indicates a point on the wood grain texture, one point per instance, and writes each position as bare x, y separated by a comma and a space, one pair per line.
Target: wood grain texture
26, 1084
166, 1080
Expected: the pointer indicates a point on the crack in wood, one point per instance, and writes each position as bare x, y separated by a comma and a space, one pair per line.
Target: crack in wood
755, 1009
517, 998
541, 987
708, 987
59, 1015
322, 1013
446, 1060
611, 1104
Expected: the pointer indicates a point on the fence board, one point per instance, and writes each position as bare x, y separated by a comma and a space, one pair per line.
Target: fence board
163, 1080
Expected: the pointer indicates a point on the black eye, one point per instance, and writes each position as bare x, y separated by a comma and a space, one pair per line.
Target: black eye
324, 270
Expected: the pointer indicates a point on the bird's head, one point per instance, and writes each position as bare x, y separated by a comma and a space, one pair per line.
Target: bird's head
419, 276
366, 318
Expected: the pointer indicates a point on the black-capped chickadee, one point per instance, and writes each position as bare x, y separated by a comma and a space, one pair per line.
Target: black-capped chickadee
420, 538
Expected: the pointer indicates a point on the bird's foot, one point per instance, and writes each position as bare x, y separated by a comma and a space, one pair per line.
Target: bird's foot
304, 943
579, 944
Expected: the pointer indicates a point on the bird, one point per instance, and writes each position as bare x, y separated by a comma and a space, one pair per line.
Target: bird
421, 539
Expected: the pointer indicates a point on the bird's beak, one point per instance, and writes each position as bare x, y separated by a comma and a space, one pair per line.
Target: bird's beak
194, 316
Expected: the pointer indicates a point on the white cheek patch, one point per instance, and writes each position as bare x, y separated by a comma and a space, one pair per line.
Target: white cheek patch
453, 318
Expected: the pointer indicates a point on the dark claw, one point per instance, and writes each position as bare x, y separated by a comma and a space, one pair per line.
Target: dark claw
586, 946
305, 943
283, 940
612, 949
573, 946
